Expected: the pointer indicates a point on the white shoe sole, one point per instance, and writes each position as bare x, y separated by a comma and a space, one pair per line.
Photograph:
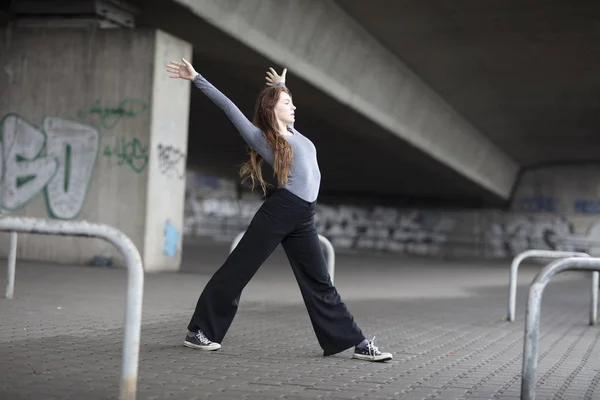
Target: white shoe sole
211, 347
383, 357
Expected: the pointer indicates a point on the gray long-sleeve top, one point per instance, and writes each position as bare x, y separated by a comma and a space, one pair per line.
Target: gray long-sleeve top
305, 177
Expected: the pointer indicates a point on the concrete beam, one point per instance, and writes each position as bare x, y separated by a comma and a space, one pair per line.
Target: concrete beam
320, 43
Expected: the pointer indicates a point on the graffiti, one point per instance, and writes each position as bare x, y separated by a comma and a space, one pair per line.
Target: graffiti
59, 159
537, 204
384, 229
219, 218
129, 151
541, 204
587, 206
216, 208
110, 116
171, 159
523, 234
171, 240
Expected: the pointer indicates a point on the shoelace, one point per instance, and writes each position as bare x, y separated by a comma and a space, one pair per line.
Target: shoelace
373, 350
203, 339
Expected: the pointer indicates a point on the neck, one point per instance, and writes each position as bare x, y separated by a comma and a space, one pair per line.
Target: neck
283, 128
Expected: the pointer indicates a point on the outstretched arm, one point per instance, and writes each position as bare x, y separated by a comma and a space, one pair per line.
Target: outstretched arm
251, 134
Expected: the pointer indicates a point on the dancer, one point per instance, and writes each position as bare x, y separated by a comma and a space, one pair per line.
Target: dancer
286, 217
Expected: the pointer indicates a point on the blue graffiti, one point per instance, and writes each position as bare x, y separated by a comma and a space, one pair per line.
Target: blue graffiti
586, 206
171, 240
537, 204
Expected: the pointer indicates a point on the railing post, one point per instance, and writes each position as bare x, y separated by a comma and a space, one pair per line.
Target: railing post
135, 282
594, 299
532, 316
322, 239
236, 241
514, 268
330, 256
12, 261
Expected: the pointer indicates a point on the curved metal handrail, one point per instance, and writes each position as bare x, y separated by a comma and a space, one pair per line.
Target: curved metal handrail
532, 319
514, 268
135, 281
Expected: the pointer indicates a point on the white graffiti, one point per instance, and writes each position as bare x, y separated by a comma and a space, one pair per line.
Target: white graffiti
384, 228
25, 173
219, 218
75, 146
63, 171
211, 210
522, 234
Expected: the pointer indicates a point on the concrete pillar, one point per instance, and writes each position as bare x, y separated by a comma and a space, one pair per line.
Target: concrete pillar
91, 129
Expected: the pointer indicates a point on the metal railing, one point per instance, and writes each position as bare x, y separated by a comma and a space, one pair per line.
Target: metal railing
514, 268
532, 321
135, 280
12, 261
329, 250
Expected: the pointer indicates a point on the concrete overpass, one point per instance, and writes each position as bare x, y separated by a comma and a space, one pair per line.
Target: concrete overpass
380, 131
423, 102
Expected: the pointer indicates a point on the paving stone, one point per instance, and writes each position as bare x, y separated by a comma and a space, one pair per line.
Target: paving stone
445, 347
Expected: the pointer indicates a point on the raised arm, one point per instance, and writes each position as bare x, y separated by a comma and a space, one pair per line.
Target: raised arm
251, 134
272, 78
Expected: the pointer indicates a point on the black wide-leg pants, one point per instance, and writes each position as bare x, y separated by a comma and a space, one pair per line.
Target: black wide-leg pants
287, 219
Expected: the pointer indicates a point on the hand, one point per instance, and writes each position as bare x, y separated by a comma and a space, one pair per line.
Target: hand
182, 70
273, 79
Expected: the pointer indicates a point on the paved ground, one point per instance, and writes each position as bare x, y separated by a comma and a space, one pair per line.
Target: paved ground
60, 338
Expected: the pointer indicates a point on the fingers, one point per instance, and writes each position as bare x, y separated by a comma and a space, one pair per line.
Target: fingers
186, 62
271, 73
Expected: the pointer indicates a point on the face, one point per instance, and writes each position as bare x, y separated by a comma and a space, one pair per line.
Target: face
284, 109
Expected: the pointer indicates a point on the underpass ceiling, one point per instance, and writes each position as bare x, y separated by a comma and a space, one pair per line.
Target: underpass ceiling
358, 159
523, 72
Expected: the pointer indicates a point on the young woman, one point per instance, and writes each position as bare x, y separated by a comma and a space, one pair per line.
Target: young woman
286, 217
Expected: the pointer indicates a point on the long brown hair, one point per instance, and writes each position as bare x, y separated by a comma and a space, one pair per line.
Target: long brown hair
264, 119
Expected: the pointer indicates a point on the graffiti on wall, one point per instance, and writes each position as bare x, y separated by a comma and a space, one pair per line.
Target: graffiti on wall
547, 204
213, 209
536, 204
128, 151
109, 116
586, 206
520, 234
219, 218
57, 159
171, 161
171, 239
384, 229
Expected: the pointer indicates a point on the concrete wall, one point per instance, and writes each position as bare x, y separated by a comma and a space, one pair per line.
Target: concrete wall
76, 134
554, 208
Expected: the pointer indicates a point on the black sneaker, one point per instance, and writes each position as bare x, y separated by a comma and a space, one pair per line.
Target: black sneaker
197, 340
370, 352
